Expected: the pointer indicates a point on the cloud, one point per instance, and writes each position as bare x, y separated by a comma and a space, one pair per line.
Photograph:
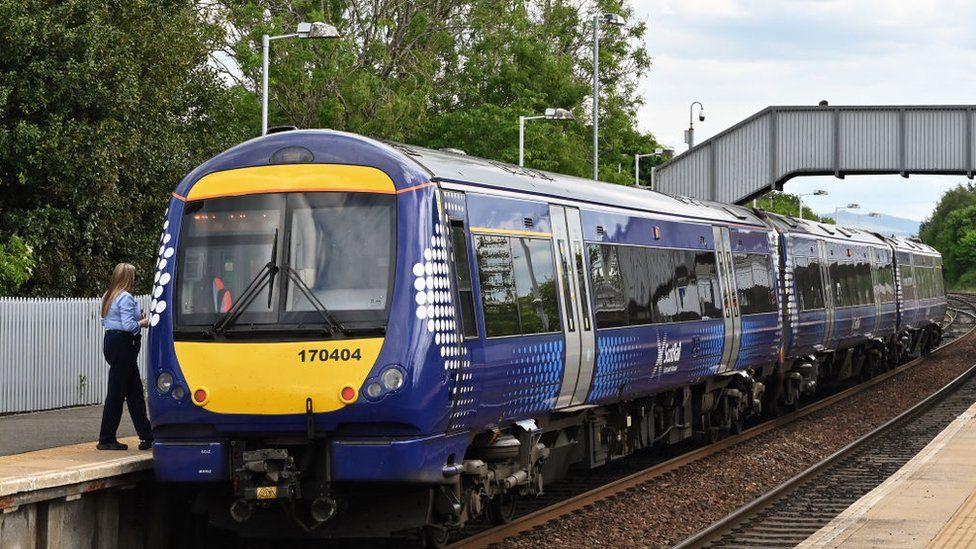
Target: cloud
739, 57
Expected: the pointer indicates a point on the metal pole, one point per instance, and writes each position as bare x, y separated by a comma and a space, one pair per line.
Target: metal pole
799, 198
265, 41
691, 136
636, 169
596, 97
521, 141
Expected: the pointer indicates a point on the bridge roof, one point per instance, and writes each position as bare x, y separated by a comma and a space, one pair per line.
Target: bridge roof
778, 143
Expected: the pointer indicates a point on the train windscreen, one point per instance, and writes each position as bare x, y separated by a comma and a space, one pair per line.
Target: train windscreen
287, 260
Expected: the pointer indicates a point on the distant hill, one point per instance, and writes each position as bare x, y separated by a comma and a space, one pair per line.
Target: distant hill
885, 224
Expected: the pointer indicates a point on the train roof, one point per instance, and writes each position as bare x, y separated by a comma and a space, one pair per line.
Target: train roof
827, 231
409, 165
458, 167
912, 245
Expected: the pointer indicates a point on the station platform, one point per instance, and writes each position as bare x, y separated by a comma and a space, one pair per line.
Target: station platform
929, 502
21, 433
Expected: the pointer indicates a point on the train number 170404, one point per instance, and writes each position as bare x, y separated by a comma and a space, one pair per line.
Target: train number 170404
325, 355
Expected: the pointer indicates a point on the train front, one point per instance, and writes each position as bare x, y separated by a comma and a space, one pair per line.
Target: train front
292, 379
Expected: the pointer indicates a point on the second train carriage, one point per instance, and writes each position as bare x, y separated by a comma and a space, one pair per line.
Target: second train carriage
412, 338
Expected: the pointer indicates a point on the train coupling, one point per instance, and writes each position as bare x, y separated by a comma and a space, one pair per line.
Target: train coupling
262, 476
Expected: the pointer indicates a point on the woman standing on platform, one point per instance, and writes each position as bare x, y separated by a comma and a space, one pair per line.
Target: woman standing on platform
123, 323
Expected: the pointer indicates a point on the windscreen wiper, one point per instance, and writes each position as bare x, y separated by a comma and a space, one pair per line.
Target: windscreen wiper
265, 277
331, 322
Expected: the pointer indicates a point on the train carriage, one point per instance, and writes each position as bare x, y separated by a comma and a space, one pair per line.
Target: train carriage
358, 338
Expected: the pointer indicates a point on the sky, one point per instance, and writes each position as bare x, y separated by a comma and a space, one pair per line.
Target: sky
740, 56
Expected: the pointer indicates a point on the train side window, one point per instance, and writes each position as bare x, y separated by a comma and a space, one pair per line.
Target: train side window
459, 243
639, 274
609, 303
753, 277
497, 285
907, 281
809, 284
581, 283
535, 285
675, 291
708, 287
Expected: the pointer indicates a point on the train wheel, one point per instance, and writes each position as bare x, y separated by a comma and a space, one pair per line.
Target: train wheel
434, 537
501, 508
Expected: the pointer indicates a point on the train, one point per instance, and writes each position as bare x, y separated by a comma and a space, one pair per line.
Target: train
359, 338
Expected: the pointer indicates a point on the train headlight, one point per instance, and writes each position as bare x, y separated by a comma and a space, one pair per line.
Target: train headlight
392, 379
164, 382
178, 392
374, 390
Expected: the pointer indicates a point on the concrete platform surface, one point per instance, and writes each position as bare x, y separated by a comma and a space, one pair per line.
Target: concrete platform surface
21, 433
929, 502
67, 465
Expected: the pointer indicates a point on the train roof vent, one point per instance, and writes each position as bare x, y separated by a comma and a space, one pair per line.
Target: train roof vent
826, 229
452, 150
844, 232
738, 215
403, 148
280, 129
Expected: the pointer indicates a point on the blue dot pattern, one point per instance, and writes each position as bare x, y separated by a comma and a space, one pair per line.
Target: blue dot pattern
535, 377
618, 361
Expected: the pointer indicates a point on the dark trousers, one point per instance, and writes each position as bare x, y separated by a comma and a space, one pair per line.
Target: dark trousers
124, 384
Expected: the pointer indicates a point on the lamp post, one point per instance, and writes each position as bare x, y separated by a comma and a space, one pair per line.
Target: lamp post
317, 29
851, 206
690, 132
869, 214
550, 114
637, 157
818, 192
617, 21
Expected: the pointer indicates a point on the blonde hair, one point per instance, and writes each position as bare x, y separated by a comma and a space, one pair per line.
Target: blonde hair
123, 280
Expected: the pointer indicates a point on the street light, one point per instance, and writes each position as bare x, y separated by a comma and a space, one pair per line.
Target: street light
617, 21
550, 114
317, 29
851, 206
668, 151
690, 132
818, 192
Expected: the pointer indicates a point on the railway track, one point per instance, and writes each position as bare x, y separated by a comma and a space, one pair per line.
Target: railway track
577, 494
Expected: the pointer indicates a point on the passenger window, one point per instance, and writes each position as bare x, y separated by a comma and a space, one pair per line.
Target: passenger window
610, 305
675, 291
535, 285
753, 278
497, 286
709, 291
459, 243
584, 296
518, 285
809, 284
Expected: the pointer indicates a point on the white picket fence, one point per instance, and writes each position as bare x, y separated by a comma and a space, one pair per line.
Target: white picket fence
51, 353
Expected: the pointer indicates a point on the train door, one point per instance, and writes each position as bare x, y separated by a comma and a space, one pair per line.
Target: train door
730, 298
567, 237
874, 260
828, 286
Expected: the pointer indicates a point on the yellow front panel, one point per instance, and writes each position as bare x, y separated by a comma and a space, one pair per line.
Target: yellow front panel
276, 378
292, 178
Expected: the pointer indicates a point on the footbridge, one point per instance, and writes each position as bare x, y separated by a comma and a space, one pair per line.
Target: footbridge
769, 148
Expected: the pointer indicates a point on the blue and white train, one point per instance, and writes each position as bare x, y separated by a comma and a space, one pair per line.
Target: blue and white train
358, 338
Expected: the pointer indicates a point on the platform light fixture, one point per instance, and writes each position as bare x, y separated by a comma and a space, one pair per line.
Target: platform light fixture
818, 192
304, 30
549, 114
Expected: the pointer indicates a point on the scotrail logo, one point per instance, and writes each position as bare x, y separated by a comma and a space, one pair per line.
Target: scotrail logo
667, 353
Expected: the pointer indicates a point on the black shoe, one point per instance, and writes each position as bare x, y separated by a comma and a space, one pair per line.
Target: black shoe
111, 446
145, 445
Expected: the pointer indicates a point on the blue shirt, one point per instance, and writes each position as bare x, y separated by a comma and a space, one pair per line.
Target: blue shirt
123, 314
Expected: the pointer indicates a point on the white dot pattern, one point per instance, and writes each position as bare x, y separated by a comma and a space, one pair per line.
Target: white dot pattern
161, 278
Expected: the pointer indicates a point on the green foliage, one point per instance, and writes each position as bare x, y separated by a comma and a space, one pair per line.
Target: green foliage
453, 73
788, 204
951, 229
104, 106
16, 264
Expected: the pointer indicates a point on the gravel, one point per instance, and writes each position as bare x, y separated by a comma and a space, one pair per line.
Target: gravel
665, 510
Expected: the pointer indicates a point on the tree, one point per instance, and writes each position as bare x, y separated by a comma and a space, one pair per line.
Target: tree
788, 204
104, 106
451, 73
16, 265
951, 229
